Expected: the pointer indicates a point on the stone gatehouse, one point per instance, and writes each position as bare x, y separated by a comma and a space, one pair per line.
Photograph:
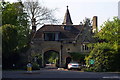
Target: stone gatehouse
64, 38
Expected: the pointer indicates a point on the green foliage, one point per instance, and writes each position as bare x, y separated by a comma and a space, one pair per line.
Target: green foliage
24, 38
35, 66
110, 31
77, 56
9, 43
9, 38
103, 55
38, 57
51, 57
15, 32
16, 14
106, 54
18, 18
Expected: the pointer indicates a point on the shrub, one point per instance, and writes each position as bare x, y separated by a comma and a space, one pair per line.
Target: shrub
35, 66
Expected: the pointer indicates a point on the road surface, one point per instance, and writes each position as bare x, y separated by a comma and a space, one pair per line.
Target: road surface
60, 74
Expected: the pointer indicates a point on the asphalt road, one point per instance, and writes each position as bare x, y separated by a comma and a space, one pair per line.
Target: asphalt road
59, 74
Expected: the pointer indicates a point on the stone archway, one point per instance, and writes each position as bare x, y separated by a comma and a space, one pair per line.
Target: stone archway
51, 56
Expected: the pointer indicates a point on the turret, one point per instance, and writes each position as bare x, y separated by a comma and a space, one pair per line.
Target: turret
67, 18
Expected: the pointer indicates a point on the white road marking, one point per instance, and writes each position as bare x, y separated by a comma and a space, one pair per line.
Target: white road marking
116, 77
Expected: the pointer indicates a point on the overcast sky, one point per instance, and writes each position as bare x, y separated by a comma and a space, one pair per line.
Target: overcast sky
79, 9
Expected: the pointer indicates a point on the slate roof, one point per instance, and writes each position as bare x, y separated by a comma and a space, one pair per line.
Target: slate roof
65, 34
67, 30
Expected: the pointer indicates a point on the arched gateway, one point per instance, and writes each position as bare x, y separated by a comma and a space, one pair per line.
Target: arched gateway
63, 39
51, 56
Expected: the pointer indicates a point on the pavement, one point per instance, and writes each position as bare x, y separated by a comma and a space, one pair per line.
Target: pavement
62, 74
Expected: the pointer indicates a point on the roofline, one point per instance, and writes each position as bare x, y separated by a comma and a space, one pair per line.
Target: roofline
57, 25
61, 25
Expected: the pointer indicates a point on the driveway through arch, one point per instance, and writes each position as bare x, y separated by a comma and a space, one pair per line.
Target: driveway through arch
51, 57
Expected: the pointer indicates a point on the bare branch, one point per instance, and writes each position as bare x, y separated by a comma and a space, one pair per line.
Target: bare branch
36, 11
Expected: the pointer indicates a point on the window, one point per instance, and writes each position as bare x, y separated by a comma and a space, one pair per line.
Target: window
85, 47
51, 36
68, 50
67, 27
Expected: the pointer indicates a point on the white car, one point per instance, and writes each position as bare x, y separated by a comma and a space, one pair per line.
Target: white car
74, 65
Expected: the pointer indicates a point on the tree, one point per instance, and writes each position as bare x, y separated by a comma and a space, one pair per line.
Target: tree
105, 53
77, 56
9, 31
110, 31
51, 57
9, 44
36, 11
15, 35
18, 18
87, 22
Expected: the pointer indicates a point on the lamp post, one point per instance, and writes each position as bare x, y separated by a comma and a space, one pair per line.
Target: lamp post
31, 51
61, 47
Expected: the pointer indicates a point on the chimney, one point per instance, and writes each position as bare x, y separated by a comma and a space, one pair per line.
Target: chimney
94, 25
33, 28
34, 25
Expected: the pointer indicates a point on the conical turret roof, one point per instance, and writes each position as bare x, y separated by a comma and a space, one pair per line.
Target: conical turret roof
67, 18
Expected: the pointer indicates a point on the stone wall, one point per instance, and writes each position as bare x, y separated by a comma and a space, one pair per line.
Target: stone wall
41, 47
